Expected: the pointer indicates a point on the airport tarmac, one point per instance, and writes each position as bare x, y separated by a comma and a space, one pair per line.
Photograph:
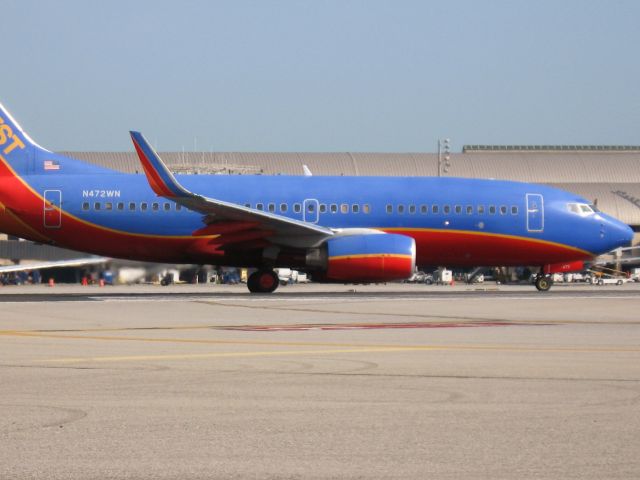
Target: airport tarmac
317, 381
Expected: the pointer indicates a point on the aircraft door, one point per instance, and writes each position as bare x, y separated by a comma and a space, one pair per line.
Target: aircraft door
310, 212
535, 212
52, 213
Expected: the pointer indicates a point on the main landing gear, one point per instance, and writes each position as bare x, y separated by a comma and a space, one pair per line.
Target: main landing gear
543, 282
263, 281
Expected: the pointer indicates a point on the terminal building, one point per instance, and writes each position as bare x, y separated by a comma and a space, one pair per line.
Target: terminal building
606, 175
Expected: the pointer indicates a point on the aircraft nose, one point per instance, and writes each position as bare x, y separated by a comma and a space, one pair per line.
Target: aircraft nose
622, 234
628, 234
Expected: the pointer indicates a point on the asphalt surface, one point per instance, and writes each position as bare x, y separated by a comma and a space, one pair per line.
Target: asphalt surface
388, 381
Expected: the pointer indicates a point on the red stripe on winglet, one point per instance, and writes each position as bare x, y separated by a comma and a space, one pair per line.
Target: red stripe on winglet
155, 181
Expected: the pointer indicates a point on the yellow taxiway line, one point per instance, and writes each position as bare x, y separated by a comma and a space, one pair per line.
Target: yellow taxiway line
327, 348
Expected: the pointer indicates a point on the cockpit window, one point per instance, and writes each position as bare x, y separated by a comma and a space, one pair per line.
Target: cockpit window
586, 209
573, 207
581, 208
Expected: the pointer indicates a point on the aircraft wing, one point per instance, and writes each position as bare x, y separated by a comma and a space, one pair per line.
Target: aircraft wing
77, 262
235, 222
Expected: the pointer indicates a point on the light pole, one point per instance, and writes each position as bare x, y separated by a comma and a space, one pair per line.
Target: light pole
444, 155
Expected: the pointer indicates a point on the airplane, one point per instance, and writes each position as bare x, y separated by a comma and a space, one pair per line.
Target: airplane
336, 228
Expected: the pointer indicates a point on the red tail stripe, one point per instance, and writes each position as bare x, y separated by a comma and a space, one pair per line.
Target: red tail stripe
154, 179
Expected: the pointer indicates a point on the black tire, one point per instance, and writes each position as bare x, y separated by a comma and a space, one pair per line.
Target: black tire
263, 281
543, 283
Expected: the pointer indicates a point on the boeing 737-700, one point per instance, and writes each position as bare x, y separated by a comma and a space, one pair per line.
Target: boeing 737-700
336, 228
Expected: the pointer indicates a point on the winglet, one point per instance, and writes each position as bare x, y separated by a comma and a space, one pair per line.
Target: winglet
160, 177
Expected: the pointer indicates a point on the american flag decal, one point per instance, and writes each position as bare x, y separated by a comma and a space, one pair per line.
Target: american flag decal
51, 165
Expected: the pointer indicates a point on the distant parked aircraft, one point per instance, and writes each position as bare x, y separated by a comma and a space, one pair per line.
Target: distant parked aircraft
338, 229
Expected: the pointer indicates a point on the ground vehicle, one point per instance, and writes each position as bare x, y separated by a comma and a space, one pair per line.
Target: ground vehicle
610, 281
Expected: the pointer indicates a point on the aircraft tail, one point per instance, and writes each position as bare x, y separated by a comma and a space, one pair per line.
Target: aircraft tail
20, 155
16, 147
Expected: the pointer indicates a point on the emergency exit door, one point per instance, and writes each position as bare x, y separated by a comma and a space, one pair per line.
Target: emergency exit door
52, 213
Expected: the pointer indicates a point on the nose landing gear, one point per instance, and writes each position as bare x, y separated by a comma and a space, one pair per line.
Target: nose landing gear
263, 281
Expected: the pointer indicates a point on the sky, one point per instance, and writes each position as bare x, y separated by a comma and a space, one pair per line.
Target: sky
321, 75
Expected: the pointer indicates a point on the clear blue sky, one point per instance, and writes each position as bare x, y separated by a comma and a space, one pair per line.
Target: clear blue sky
318, 75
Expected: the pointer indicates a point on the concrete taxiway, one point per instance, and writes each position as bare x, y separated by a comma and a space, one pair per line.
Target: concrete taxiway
389, 381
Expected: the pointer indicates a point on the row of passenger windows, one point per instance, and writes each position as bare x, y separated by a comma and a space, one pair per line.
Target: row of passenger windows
447, 209
311, 207
132, 206
400, 208
323, 208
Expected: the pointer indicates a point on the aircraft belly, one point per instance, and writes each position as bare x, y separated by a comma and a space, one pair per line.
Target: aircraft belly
468, 249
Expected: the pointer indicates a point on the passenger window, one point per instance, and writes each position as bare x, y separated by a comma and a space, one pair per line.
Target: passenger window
323, 208
458, 209
355, 208
108, 206
492, 209
259, 206
400, 209
178, 207
120, 206
155, 206
167, 206
469, 210
344, 208
389, 209
248, 205
297, 207
446, 209
272, 207
435, 209
85, 206
366, 208
334, 208
143, 206
96, 206
514, 210
283, 207
424, 209
412, 209
481, 209
503, 210
132, 206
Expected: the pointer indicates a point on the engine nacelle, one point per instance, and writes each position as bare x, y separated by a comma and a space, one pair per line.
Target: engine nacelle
370, 258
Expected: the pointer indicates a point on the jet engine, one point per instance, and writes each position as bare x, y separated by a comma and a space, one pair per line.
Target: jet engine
366, 258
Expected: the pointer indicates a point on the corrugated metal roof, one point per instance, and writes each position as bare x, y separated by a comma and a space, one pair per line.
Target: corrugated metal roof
24, 250
539, 167
582, 167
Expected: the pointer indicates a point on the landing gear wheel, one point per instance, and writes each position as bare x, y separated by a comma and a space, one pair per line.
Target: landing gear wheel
543, 283
263, 281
